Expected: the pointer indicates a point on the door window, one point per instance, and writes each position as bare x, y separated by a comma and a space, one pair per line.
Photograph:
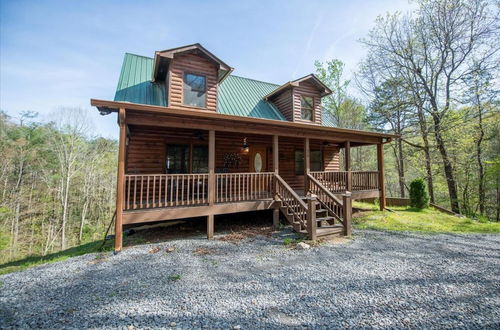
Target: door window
257, 162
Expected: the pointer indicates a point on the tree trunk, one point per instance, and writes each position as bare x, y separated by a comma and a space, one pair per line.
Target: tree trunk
427, 153
448, 168
481, 191
82, 220
65, 212
401, 169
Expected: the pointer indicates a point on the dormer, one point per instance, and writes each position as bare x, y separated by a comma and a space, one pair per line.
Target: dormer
191, 75
300, 100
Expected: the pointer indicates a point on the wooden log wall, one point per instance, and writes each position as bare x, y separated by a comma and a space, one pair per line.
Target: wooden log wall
284, 103
195, 64
146, 151
307, 89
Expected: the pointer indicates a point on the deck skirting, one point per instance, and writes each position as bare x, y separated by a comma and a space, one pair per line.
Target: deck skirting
173, 213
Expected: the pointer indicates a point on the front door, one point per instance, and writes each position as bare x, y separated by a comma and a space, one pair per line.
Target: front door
258, 159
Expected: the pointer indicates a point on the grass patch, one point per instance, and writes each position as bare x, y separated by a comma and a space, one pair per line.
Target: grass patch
32, 261
427, 220
174, 277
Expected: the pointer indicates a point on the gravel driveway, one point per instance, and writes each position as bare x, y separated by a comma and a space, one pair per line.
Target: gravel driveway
382, 280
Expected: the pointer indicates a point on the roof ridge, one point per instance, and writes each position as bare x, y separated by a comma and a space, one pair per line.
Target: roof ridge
127, 53
260, 81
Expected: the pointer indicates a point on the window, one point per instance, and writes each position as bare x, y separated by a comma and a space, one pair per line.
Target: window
194, 90
316, 161
200, 159
306, 107
299, 162
177, 158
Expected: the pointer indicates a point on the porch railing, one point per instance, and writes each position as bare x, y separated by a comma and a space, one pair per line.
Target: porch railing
237, 187
296, 208
364, 180
334, 181
165, 190
330, 202
338, 181
171, 190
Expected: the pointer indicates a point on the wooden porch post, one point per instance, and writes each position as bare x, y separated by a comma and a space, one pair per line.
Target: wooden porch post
381, 183
307, 165
276, 158
347, 213
211, 182
311, 217
347, 162
120, 182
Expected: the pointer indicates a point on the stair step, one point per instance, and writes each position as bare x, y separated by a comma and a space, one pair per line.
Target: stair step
330, 230
328, 218
337, 230
321, 210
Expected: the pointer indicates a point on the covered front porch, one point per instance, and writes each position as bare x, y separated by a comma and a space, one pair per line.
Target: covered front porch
178, 165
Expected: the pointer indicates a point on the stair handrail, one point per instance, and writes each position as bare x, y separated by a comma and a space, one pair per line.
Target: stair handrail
300, 218
339, 216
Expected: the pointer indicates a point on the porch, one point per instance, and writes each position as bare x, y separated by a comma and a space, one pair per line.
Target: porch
250, 172
177, 165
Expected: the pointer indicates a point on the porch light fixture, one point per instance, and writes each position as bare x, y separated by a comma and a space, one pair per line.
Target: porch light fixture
104, 111
246, 147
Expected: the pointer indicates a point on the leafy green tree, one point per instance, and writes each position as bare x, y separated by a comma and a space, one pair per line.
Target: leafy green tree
419, 197
344, 110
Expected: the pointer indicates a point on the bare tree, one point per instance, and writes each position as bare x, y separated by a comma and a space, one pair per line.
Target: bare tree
481, 95
436, 46
71, 126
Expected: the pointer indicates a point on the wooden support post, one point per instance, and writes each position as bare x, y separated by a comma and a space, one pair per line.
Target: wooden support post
276, 216
347, 213
211, 181
307, 164
381, 183
276, 159
120, 182
311, 217
210, 226
347, 162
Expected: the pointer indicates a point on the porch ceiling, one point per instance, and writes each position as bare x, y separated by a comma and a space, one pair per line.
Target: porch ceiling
176, 117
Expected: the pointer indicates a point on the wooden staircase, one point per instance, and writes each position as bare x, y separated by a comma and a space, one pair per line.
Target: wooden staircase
326, 224
320, 214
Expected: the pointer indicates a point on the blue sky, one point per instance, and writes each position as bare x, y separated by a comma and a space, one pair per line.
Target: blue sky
62, 53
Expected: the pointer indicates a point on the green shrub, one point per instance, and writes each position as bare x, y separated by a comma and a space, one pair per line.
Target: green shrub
419, 197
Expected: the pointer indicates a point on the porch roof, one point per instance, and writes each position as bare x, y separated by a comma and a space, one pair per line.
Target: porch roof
182, 117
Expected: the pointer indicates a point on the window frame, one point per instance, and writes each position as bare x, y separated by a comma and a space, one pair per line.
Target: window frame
190, 156
300, 171
311, 109
186, 157
184, 74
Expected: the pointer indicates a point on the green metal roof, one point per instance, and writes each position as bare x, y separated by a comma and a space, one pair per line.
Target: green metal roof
237, 96
327, 119
135, 84
244, 97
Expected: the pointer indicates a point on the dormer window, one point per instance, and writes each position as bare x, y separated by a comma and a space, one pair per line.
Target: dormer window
306, 107
195, 90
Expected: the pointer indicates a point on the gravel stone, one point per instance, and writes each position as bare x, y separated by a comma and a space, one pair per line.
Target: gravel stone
302, 246
377, 280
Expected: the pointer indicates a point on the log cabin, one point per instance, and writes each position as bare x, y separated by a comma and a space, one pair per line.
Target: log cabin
197, 141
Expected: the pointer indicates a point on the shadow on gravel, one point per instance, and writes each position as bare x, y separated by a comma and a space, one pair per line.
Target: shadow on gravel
246, 225
79, 250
